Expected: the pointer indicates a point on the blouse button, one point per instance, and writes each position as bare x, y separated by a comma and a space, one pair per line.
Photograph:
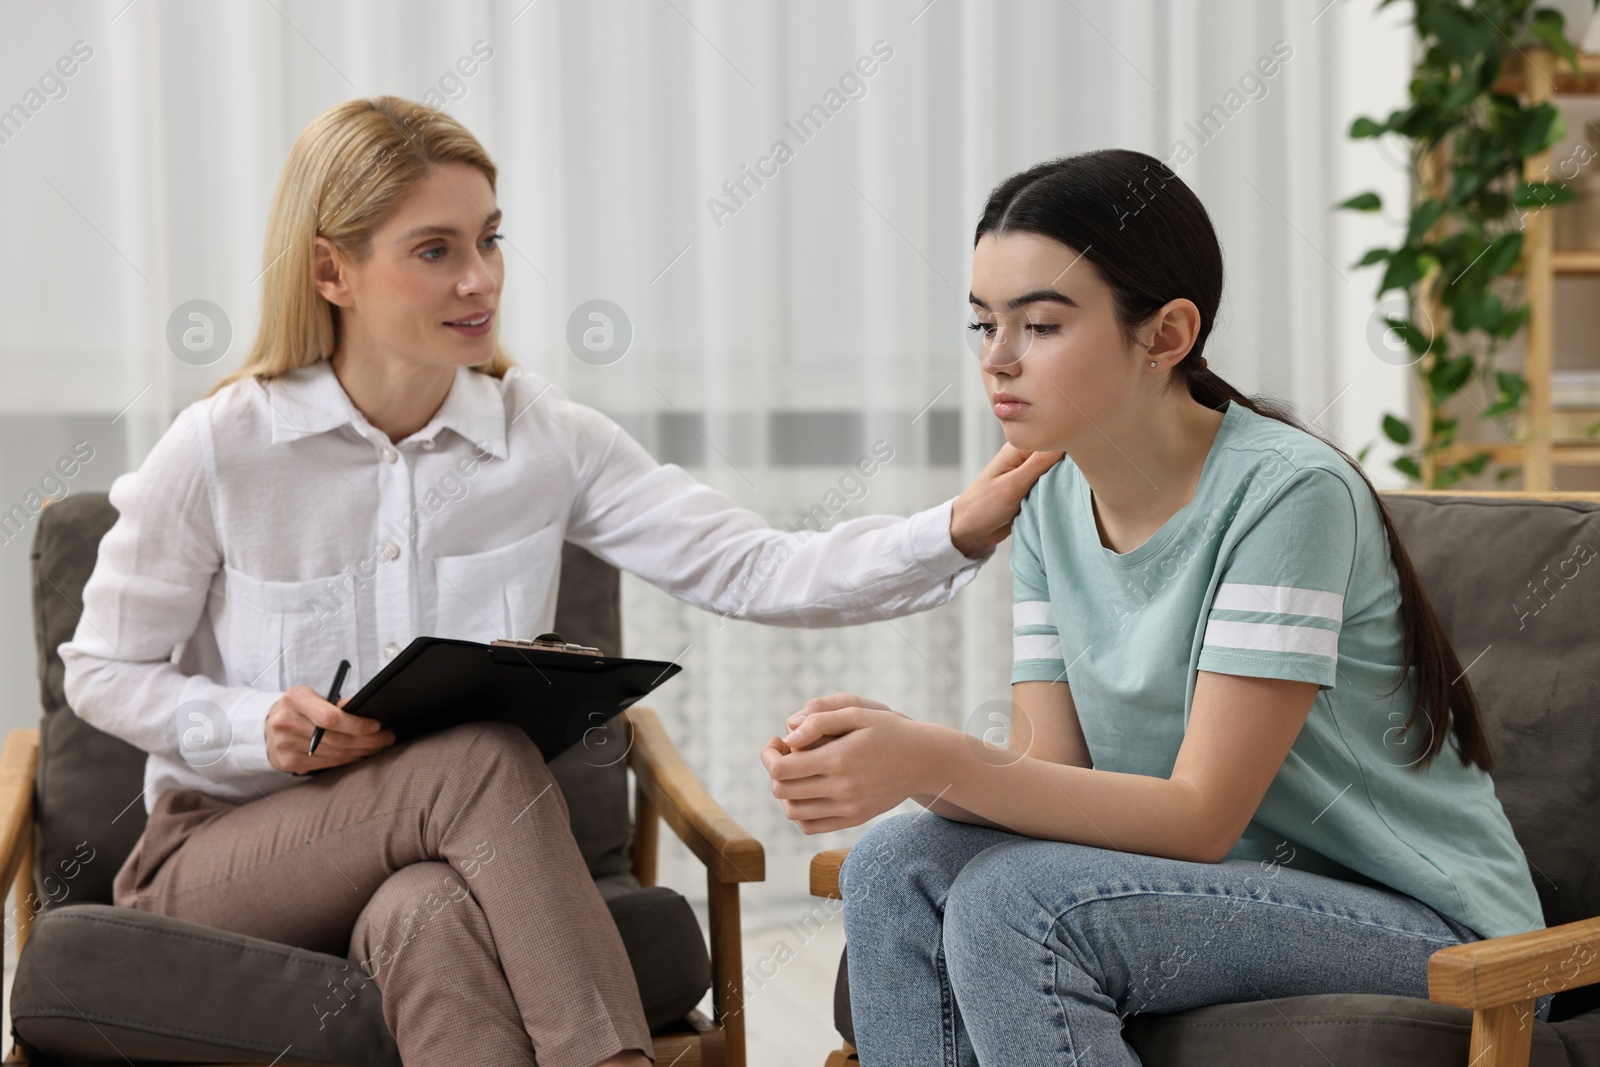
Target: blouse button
390, 455
391, 550
428, 445
391, 650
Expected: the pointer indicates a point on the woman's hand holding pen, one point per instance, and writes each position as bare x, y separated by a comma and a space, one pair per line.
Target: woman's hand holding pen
981, 516
845, 760
346, 738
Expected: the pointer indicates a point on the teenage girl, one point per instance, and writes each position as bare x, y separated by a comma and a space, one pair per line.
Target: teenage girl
1243, 762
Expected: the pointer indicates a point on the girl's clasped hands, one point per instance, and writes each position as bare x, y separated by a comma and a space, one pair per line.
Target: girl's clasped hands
846, 759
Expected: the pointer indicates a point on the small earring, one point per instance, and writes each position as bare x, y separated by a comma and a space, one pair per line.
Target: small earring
1152, 363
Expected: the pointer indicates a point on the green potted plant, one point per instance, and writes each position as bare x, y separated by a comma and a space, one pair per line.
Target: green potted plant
1464, 236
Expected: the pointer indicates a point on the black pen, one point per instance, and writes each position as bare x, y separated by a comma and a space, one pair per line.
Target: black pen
333, 698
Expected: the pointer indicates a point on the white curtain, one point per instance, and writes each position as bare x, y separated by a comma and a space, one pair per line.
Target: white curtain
779, 331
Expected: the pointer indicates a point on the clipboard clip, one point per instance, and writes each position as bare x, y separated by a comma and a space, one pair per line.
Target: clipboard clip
551, 642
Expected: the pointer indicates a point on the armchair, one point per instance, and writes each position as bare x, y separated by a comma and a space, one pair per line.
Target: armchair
101, 984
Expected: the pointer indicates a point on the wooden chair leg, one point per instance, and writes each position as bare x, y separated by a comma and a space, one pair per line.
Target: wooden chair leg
727, 965
1501, 1036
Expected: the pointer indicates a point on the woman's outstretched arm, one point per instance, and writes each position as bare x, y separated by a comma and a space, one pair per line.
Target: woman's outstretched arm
655, 521
1240, 731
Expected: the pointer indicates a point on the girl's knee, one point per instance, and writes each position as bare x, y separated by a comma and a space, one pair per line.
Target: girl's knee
1017, 884
882, 851
984, 889
910, 857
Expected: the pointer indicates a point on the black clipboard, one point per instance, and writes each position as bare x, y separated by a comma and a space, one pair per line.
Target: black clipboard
558, 698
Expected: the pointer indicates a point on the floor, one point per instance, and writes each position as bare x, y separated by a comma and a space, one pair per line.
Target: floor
789, 992
790, 964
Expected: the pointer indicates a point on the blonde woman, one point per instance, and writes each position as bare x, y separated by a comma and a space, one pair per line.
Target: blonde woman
376, 471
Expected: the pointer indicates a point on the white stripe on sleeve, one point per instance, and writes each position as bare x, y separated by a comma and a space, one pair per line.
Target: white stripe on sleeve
1281, 599
1033, 613
1271, 637
1035, 646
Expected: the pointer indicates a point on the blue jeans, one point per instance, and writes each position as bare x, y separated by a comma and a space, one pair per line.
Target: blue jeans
969, 945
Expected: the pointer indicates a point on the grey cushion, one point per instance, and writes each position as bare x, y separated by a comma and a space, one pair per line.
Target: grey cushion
97, 983
84, 989
1537, 684
90, 783
1345, 1028
1341, 1028
85, 777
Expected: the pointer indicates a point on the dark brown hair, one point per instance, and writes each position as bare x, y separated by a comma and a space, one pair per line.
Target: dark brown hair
1151, 240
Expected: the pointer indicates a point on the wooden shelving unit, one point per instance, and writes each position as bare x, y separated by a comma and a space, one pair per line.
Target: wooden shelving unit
1543, 439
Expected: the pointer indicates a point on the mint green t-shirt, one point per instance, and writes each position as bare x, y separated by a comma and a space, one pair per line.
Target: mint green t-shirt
1278, 568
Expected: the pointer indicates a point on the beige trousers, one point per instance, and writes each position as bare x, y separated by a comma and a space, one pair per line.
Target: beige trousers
444, 868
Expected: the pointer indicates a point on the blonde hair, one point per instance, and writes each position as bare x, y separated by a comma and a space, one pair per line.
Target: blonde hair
345, 175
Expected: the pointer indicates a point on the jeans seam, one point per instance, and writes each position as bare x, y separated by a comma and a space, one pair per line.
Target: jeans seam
1055, 994
947, 1009
1105, 894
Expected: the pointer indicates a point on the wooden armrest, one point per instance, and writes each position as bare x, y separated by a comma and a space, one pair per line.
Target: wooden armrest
1505, 970
825, 873
17, 763
729, 853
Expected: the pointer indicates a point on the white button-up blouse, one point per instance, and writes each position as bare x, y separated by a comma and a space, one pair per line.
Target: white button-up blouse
273, 531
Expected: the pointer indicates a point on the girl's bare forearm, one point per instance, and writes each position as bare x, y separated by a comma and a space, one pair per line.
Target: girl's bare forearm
940, 806
1058, 802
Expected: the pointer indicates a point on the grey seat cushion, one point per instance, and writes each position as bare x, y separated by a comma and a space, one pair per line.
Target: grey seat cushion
1341, 1028
1344, 1028
84, 988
